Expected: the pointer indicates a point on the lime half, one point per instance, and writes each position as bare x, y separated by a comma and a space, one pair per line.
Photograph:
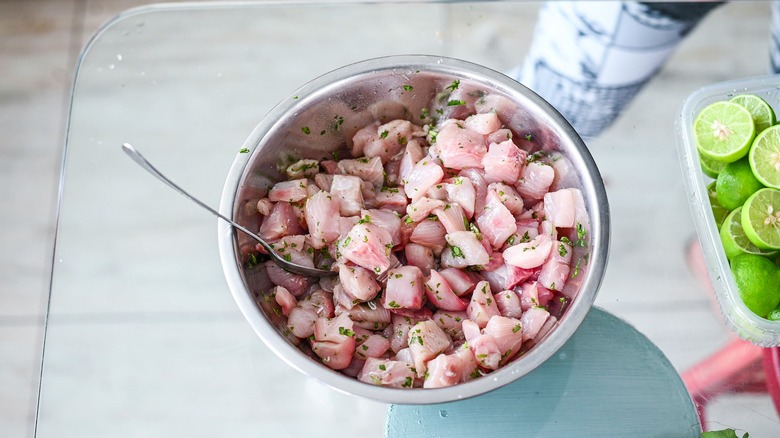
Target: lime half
724, 131
763, 115
710, 167
761, 218
735, 242
764, 157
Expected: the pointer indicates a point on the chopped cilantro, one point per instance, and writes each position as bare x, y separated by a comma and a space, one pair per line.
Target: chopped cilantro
408, 88
516, 328
382, 367
384, 134
457, 253
528, 137
346, 332
365, 220
393, 304
562, 250
456, 102
454, 85
243, 150
407, 382
306, 130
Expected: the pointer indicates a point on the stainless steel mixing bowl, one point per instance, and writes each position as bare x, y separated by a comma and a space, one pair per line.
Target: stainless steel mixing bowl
319, 119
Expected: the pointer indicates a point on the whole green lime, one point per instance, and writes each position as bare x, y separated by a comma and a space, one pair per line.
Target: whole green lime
758, 282
735, 184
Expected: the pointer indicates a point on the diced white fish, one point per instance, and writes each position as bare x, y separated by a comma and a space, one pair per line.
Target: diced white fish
484, 123
289, 191
300, 321
483, 347
389, 373
532, 320
499, 135
404, 288
477, 179
320, 301
348, 190
422, 208
362, 137
368, 246
372, 346
529, 255
461, 191
535, 180
495, 221
413, 153
420, 256
334, 355
387, 220
426, 341
508, 335
460, 282
509, 197
358, 282
452, 217
559, 208
323, 181
508, 302
555, 271
264, 206
367, 169
281, 222
303, 169
502, 162
465, 250
294, 283
285, 299
451, 322
392, 199
425, 174
429, 233
322, 217
391, 138
370, 313
440, 294
460, 147
483, 305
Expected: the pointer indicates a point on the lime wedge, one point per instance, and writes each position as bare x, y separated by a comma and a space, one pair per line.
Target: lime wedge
735, 242
718, 211
761, 218
764, 157
763, 115
724, 131
710, 167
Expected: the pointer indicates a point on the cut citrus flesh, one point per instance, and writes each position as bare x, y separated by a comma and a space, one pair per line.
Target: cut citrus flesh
710, 167
724, 131
735, 242
761, 218
762, 112
764, 157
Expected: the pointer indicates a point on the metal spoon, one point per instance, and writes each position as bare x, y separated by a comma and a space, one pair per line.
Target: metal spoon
284, 264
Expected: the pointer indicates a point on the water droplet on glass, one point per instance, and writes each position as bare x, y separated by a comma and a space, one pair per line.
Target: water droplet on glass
118, 56
442, 413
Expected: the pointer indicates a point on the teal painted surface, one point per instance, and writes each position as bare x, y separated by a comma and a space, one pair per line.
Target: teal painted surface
607, 380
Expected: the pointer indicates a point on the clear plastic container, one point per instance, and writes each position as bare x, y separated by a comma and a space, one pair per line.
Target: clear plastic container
745, 323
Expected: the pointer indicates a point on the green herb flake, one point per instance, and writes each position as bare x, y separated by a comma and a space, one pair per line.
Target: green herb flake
346, 241
384, 134
346, 332
408, 88
457, 253
365, 220
393, 304
382, 367
562, 250
407, 382
456, 102
454, 85
306, 130
528, 137
516, 328
243, 151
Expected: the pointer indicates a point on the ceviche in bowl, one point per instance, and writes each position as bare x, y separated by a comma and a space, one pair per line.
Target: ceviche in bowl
464, 220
